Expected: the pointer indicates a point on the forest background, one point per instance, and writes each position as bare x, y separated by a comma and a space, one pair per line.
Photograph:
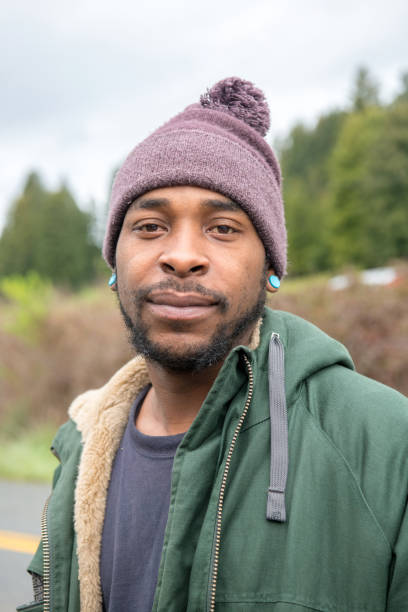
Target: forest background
346, 197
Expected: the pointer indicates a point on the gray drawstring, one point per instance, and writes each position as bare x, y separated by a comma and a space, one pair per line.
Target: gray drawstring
275, 508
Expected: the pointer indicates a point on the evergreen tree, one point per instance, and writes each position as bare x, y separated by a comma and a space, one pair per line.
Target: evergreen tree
403, 95
369, 188
46, 232
18, 241
365, 91
346, 184
305, 164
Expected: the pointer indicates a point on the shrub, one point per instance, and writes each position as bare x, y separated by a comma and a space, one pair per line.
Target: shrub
28, 300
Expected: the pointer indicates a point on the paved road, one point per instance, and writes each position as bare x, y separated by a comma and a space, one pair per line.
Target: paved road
20, 511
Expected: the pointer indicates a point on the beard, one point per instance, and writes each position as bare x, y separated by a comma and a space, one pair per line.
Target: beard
197, 356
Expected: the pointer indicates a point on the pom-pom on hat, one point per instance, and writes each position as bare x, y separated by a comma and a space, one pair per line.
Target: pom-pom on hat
217, 144
241, 99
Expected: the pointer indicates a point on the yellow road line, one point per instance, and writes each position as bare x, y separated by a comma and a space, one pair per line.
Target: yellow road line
18, 542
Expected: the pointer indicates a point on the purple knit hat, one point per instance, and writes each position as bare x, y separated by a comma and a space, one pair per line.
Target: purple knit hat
217, 144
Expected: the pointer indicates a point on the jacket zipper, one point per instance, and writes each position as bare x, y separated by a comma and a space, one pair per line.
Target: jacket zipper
216, 554
46, 558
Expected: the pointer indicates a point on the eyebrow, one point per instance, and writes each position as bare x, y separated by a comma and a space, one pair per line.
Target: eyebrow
149, 203
153, 203
221, 205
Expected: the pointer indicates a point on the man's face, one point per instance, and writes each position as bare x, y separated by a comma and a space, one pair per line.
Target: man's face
191, 276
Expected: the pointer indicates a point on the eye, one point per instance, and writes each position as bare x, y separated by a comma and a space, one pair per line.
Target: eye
222, 229
148, 228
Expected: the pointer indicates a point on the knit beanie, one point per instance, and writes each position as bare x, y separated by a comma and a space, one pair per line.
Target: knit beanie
217, 144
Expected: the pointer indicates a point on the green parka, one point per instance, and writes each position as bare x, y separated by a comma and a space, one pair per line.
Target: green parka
343, 546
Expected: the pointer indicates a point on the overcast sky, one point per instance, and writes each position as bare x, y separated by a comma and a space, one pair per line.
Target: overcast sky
82, 81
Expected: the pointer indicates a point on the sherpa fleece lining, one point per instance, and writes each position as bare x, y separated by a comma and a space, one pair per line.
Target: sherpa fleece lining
101, 416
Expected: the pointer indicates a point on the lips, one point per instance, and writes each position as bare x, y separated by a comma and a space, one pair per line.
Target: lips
181, 300
185, 306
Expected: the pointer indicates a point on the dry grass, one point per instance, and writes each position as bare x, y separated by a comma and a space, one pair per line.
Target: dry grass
372, 322
83, 342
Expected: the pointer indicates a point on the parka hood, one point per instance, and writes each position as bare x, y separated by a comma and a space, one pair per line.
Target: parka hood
307, 348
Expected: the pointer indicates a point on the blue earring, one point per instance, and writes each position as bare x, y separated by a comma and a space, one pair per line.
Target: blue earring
274, 281
112, 280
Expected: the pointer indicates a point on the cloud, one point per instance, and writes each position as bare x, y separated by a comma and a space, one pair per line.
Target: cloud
83, 80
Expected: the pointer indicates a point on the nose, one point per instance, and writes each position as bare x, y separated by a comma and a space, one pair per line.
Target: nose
184, 255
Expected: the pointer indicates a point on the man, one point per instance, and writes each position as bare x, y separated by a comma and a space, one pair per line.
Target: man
238, 462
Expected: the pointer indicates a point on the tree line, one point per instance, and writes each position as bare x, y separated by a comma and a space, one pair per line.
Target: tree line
346, 183
345, 189
47, 233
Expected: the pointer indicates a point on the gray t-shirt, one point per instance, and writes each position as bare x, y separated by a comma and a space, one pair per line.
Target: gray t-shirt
135, 517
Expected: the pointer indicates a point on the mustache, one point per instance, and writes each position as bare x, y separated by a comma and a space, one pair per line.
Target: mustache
188, 286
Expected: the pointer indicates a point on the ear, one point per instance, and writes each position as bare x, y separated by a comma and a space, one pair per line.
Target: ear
270, 287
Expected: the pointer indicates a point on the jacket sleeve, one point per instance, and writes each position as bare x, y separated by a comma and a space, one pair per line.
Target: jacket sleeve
398, 589
36, 568
36, 565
